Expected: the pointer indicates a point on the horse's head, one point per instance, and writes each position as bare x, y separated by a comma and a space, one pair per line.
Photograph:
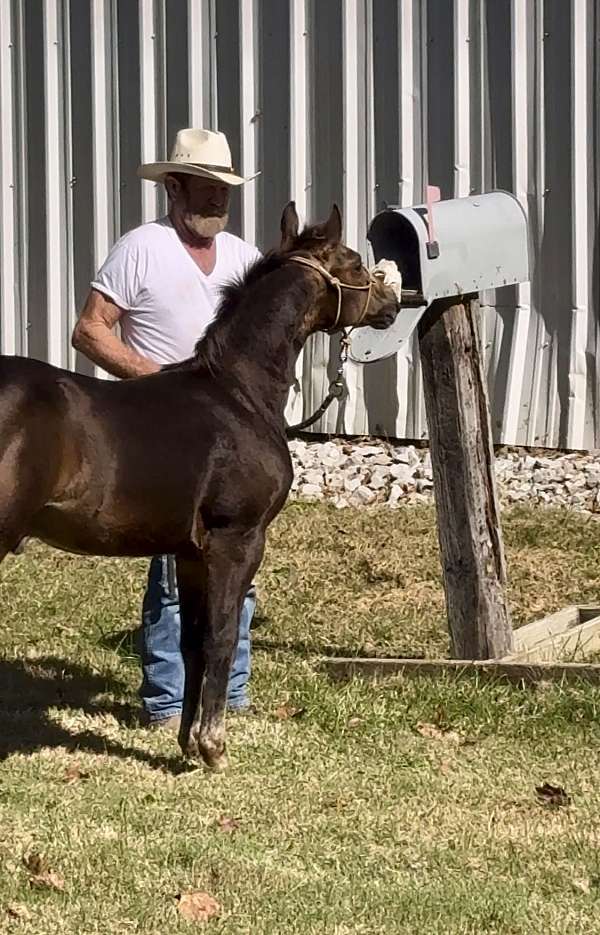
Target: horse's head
351, 297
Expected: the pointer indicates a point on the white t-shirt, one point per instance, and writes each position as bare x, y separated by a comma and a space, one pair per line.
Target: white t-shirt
167, 299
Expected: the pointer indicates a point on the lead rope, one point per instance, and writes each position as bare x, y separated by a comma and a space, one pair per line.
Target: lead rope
335, 391
338, 385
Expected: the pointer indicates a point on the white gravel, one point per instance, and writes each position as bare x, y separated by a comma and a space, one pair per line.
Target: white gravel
364, 473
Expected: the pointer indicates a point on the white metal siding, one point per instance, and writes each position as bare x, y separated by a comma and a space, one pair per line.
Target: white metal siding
356, 101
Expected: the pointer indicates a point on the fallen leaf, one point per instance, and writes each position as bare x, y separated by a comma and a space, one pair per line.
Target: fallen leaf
18, 911
338, 803
228, 824
35, 863
197, 907
583, 886
435, 733
284, 712
41, 874
552, 796
49, 880
74, 773
355, 722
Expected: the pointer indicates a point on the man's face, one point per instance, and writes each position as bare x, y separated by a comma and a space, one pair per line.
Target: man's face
200, 205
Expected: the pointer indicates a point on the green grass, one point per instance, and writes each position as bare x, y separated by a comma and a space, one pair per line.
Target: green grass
348, 819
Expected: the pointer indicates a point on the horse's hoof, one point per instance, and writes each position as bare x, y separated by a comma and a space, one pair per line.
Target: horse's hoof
216, 762
213, 750
188, 743
209, 747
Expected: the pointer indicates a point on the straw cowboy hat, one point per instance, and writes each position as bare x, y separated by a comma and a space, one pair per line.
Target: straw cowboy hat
196, 152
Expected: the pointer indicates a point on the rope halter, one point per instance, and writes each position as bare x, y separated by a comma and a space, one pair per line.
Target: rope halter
338, 286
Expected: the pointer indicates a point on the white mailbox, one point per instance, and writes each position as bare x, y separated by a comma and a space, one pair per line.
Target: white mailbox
468, 245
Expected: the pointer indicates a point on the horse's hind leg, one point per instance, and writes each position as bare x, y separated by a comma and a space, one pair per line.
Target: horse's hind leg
26, 482
231, 559
18, 505
16, 511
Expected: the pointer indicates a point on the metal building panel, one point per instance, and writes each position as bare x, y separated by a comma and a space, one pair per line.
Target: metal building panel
8, 271
376, 100
249, 115
580, 256
148, 103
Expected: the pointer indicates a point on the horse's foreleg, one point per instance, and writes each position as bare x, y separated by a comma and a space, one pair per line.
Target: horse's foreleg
231, 562
191, 583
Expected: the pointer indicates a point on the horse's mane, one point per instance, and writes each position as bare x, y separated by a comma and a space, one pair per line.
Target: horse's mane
208, 353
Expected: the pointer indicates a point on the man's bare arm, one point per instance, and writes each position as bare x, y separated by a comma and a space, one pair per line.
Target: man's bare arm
93, 337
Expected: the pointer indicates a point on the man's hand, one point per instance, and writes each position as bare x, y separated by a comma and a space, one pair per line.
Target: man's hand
93, 337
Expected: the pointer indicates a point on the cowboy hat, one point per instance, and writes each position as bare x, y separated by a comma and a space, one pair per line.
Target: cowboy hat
196, 152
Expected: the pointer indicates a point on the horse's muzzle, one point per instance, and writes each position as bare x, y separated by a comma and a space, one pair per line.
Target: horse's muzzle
385, 317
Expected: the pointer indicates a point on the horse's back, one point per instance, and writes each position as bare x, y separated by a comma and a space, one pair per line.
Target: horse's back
15, 369
29, 393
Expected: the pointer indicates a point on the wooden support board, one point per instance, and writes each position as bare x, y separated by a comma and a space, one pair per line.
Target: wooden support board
566, 635
342, 668
542, 651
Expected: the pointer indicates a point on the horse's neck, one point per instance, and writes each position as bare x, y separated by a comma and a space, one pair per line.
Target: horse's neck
262, 358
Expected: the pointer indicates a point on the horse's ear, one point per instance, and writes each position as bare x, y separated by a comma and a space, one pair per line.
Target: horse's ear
289, 226
333, 226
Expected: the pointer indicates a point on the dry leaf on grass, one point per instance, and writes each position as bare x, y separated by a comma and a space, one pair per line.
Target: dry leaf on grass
227, 824
552, 796
284, 712
197, 907
18, 911
41, 874
435, 733
35, 863
355, 722
582, 886
339, 802
74, 773
49, 880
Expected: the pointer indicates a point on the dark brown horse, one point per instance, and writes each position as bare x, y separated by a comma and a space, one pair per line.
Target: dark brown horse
192, 461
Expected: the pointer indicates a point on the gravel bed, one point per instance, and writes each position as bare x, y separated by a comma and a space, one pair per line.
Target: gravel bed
365, 473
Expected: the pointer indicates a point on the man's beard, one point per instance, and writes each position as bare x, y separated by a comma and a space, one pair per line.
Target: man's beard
205, 227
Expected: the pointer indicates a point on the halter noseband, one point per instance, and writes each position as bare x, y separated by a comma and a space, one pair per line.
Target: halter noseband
338, 286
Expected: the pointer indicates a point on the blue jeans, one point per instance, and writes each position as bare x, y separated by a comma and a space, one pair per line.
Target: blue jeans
162, 662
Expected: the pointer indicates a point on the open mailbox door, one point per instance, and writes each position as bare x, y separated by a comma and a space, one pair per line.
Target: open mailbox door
481, 243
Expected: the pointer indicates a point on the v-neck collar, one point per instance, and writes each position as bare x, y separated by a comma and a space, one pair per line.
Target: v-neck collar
206, 277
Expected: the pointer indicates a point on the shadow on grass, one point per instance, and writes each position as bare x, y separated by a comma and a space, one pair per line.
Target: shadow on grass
308, 648
123, 642
29, 688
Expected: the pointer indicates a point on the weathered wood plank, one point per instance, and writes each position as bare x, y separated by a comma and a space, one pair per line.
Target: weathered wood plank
471, 547
565, 646
345, 668
540, 630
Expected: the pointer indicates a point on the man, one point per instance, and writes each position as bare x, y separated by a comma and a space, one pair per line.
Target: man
161, 282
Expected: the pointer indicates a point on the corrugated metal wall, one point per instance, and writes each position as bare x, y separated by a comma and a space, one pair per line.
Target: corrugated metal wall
358, 101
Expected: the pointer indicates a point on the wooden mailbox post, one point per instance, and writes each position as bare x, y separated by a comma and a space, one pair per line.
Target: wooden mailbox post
478, 243
462, 457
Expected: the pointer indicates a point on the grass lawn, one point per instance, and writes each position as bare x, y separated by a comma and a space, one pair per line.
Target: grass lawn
404, 806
